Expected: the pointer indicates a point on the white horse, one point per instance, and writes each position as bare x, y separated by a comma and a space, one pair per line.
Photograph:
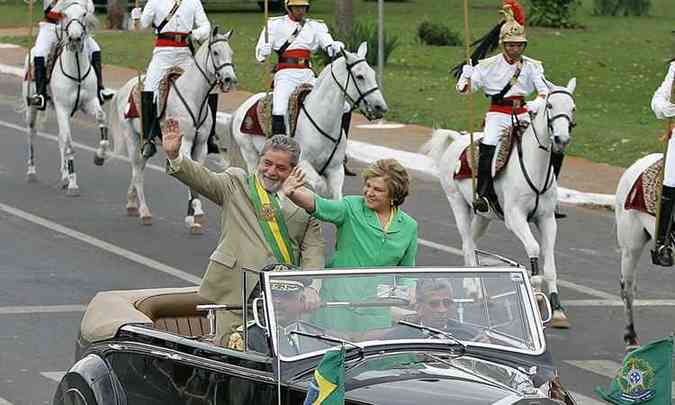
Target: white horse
187, 102
348, 78
526, 188
634, 229
73, 87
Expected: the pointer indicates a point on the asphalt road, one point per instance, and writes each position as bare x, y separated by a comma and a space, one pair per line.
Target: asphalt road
56, 252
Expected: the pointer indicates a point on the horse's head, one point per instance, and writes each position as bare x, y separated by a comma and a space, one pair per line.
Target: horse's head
218, 63
359, 83
560, 111
75, 23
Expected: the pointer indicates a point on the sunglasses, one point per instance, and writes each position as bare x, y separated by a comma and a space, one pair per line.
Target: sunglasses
438, 302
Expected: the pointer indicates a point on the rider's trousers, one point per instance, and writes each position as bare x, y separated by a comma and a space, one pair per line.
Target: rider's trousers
47, 39
164, 58
497, 124
669, 173
285, 81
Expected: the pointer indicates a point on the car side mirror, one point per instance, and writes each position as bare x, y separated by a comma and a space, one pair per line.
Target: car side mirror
544, 307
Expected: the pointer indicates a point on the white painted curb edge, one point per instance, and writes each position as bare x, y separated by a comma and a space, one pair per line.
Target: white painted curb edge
368, 153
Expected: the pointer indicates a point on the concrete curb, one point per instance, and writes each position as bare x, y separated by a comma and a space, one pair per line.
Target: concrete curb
369, 153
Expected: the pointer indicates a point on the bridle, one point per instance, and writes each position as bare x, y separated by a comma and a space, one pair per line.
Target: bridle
350, 77
80, 77
550, 120
216, 68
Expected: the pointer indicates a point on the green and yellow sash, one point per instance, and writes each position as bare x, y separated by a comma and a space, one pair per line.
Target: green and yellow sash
271, 221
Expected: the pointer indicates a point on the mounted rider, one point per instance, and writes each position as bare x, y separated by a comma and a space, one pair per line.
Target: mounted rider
506, 78
175, 23
48, 36
664, 107
295, 38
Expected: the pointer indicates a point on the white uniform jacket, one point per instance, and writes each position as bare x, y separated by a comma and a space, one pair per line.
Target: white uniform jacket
313, 36
492, 74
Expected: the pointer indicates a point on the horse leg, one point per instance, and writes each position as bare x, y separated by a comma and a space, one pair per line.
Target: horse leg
549, 229
199, 155
68, 174
94, 108
31, 118
335, 179
137, 177
516, 221
632, 239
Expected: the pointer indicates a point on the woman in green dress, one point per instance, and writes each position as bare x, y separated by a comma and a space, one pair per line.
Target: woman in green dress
372, 231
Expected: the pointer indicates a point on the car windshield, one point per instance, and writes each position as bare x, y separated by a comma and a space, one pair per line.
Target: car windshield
315, 311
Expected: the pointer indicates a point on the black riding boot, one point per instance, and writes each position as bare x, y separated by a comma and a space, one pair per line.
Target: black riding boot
346, 124
278, 125
212, 143
484, 188
40, 99
149, 118
96, 65
556, 162
662, 255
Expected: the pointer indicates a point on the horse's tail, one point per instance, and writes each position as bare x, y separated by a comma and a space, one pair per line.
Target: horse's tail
119, 143
439, 143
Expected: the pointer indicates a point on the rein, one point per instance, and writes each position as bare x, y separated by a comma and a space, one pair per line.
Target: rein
548, 182
80, 78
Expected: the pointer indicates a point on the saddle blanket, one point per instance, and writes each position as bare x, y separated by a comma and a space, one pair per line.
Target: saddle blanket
643, 195
464, 167
132, 110
258, 118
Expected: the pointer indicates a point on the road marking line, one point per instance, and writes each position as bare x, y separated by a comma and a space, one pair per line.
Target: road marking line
54, 375
41, 309
606, 368
423, 242
4, 401
618, 303
109, 247
584, 400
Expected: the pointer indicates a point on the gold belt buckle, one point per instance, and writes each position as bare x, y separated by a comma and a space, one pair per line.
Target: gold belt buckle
301, 61
517, 103
179, 38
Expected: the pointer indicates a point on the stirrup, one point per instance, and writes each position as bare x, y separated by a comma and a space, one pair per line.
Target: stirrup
39, 101
149, 149
662, 255
481, 204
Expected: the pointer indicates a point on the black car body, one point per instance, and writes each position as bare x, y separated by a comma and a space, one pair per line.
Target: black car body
153, 347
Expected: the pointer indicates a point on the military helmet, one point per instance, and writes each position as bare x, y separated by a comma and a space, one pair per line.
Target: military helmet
290, 3
513, 29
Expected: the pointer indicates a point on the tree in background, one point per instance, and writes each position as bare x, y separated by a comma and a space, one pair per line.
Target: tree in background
116, 14
554, 13
621, 7
344, 19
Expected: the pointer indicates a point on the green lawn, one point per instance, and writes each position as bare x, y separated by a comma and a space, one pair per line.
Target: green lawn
618, 63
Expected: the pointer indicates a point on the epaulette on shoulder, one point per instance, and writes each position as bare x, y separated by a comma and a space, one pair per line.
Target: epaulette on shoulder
489, 61
277, 18
315, 20
528, 59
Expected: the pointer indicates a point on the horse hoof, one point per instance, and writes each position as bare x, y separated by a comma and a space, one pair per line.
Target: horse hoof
200, 219
98, 161
559, 320
196, 229
147, 220
31, 178
132, 211
73, 192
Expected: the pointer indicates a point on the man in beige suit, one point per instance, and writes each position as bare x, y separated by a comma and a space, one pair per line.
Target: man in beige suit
259, 226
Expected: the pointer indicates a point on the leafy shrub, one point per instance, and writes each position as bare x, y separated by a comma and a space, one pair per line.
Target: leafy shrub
365, 32
553, 13
621, 7
437, 34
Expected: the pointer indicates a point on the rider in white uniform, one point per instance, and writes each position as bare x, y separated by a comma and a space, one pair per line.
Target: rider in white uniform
506, 78
174, 22
664, 108
44, 43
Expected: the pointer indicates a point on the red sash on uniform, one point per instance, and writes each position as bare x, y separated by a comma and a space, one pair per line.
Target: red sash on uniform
510, 104
294, 59
172, 39
53, 17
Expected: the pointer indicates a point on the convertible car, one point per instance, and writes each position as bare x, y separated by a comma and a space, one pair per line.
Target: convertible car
411, 336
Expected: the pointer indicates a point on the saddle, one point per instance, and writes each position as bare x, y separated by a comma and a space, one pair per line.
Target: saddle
465, 168
134, 101
643, 195
258, 118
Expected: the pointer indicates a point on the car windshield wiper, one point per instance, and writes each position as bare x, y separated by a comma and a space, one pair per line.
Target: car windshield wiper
436, 331
328, 338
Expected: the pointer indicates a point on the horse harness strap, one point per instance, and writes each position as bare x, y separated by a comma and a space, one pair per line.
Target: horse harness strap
335, 141
362, 95
497, 98
169, 16
79, 79
290, 39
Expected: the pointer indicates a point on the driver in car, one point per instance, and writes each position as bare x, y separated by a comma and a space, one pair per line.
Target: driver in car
288, 298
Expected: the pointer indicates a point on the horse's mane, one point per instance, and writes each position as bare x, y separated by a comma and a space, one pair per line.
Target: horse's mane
90, 19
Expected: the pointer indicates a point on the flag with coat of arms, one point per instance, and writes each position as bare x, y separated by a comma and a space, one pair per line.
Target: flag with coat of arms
328, 385
645, 378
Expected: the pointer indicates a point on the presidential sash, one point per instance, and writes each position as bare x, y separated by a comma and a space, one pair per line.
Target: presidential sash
271, 221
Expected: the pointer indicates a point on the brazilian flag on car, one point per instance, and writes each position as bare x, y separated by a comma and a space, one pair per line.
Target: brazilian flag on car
645, 378
328, 385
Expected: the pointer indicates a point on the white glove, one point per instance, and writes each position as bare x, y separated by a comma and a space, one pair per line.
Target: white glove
136, 13
335, 48
266, 50
467, 71
535, 105
669, 110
